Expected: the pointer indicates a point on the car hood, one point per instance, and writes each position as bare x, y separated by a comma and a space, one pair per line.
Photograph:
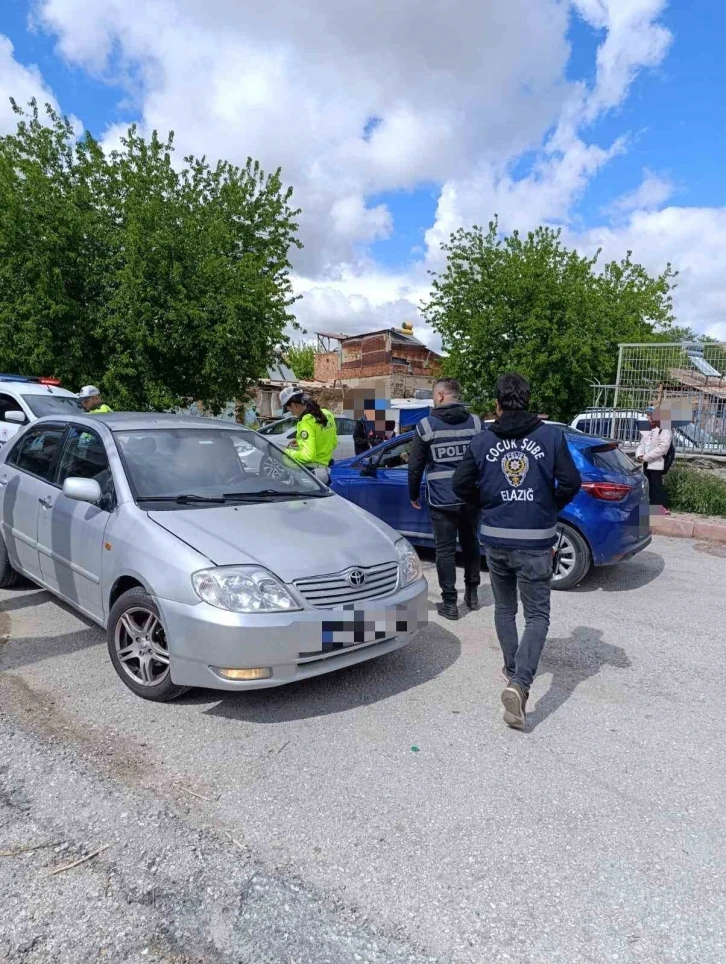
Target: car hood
292, 539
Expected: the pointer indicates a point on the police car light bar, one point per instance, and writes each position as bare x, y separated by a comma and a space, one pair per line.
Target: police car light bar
28, 379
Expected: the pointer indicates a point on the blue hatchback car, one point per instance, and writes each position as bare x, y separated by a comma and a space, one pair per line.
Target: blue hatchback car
608, 521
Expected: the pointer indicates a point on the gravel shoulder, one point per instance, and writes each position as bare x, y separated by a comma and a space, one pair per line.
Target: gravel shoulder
300, 826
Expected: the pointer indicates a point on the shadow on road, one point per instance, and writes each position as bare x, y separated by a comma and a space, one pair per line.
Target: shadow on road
624, 577
429, 655
572, 660
27, 650
18, 651
32, 596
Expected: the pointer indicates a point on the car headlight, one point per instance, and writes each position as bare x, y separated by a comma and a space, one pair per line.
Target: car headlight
409, 564
243, 589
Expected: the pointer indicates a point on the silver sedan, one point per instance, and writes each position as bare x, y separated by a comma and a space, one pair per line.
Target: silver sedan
204, 570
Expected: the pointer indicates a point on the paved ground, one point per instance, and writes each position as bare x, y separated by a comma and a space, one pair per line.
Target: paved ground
300, 826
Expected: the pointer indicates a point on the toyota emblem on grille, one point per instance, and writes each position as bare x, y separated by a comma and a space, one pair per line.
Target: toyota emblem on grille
356, 578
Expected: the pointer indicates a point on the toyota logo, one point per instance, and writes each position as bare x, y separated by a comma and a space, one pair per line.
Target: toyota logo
356, 578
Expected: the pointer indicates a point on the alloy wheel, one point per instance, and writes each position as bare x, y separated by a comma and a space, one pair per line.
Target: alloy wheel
141, 646
567, 559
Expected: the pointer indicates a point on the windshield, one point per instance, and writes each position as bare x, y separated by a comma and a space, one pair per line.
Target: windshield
277, 428
41, 405
207, 466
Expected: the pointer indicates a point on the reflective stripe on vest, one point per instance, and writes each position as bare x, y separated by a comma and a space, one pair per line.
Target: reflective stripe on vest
428, 433
523, 535
447, 447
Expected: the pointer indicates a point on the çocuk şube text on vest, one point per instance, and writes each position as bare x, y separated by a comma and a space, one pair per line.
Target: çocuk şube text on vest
517, 486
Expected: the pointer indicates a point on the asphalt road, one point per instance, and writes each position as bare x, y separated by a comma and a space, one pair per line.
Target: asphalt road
384, 813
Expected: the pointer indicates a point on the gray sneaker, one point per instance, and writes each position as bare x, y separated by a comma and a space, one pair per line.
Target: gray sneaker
506, 674
514, 699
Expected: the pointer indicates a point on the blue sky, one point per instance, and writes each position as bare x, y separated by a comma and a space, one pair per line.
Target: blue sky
397, 138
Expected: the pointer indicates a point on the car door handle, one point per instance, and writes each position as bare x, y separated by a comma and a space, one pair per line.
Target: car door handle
3, 482
46, 501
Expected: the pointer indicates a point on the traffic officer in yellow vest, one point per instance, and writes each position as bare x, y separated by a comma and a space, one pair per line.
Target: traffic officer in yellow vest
317, 435
439, 444
92, 402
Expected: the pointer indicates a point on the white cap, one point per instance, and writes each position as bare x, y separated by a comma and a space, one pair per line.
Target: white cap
89, 391
287, 394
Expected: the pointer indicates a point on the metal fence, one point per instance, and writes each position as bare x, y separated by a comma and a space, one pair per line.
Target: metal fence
685, 381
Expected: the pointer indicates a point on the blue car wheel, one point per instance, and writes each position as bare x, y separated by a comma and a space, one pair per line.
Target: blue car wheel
574, 561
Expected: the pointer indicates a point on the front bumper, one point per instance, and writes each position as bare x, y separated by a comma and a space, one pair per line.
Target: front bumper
295, 645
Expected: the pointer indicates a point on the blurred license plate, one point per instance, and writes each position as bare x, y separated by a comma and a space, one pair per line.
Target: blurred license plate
355, 628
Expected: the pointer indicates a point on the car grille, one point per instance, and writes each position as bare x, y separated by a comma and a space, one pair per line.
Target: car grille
333, 591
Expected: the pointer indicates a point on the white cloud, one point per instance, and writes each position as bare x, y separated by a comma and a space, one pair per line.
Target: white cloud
294, 82
19, 82
459, 90
693, 240
340, 306
352, 220
634, 40
652, 193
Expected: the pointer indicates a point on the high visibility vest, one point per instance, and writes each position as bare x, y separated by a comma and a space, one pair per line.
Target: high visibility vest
315, 443
102, 409
447, 447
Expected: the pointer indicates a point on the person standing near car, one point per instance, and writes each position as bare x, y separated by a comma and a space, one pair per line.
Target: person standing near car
92, 402
519, 472
360, 435
439, 443
317, 435
652, 453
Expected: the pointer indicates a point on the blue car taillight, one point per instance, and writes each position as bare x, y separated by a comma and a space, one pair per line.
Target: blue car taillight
607, 491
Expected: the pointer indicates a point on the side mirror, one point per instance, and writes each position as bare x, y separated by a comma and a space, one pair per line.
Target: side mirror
82, 490
368, 469
20, 418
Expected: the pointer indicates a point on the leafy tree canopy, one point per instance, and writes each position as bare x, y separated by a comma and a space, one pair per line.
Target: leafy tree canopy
301, 358
162, 284
528, 304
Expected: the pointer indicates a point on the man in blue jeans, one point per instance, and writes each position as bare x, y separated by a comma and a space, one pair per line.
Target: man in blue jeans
520, 473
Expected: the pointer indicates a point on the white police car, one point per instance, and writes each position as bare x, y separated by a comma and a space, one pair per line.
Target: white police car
24, 399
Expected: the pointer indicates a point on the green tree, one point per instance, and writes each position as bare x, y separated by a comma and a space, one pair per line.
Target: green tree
163, 285
529, 304
301, 358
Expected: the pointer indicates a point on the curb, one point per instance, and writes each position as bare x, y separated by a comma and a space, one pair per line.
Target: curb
685, 526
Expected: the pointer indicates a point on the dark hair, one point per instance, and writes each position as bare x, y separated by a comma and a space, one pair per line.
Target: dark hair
513, 392
449, 386
312, 408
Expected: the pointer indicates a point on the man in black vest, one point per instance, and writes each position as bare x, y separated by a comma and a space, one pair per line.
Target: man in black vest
439, 443
360, 435
520, 473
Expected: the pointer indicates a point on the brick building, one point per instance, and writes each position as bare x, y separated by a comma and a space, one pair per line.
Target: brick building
392, 357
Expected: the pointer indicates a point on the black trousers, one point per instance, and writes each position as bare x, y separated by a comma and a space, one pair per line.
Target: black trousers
461, 521
657, 491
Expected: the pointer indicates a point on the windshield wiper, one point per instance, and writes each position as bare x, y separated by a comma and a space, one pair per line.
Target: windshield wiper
263, 494
184, 499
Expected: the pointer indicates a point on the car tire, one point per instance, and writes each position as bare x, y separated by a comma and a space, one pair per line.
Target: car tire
8, 576
138, 648
575, 559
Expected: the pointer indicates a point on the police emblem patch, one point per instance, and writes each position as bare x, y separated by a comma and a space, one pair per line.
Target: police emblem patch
515, 466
